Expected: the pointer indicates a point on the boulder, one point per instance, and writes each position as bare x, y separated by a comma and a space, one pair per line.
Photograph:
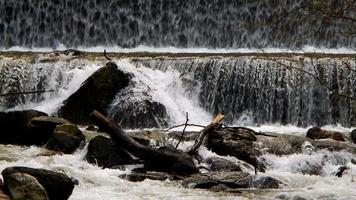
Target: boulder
231, 143
317, 133
22, 186
208, 180
134, 110
141, 176
266, 182
57, 185
17, 129
220, 164
66, 138
353, 136
48, 122
97, 92
104, 153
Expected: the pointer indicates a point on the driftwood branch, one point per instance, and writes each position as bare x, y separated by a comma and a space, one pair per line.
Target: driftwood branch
158, 160
106, 56
205, 132
173, 127
185, 126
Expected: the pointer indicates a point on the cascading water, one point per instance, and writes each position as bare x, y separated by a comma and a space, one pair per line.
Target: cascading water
300, 91
193, 23
54, 81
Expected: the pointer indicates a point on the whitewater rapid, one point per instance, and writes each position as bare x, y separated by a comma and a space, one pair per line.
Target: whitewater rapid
96, 183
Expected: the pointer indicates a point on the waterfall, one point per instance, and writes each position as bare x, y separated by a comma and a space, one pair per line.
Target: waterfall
251, 89
183, 24
59, 77
262, 89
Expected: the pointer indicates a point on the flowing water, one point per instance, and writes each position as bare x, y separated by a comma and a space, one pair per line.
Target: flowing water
200, 85
274, 66
162, 23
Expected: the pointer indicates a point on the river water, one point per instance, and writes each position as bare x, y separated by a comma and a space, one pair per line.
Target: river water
64, 74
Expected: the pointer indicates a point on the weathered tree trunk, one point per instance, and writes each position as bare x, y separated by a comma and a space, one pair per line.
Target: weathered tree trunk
165, 160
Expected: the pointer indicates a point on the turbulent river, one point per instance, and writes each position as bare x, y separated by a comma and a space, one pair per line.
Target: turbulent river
265, 92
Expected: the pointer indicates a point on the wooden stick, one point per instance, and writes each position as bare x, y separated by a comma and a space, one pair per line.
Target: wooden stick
205, 132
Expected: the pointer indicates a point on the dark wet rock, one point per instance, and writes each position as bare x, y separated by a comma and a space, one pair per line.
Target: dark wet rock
17, 129
4, 196
132, 112
211, 179
103, 152
57, 185
22, 186
140, 176
66, 138
48, 122
318, 133
220, 164
97, 92
353, 136
230, 143
266, 182
341, 170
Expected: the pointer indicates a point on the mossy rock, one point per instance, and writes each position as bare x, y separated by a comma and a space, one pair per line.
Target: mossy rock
66, 138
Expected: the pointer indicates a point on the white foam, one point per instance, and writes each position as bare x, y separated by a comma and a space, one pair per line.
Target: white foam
170, 49
166, 88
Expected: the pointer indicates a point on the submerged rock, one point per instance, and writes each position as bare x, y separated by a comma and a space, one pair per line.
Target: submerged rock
141, 176
318, 133
266, 182
97, 92
104, 153
211, 179
22, 186
16, 128
66, 138
57, 185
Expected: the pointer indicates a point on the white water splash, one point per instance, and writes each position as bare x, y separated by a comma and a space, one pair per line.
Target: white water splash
167, 89
170, 49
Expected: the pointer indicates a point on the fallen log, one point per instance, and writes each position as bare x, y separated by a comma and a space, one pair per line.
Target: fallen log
165, 160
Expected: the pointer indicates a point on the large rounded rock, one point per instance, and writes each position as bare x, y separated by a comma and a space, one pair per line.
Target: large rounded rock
57, 185
226, 142
16, 128
22, 186
220, 164
266, 182
66, 138
134, 109
104, 153
318, 133
97, 92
